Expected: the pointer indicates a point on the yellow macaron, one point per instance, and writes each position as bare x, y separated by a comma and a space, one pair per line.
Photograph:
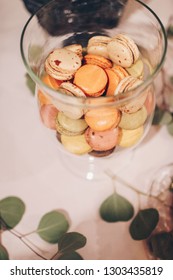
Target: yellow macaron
128, 138
76, 144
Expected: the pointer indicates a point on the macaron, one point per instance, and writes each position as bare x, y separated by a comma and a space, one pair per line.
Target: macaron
48, 114
76, 48
62, 64
101, 153
92, 79
128, 138
127, 84
75, 144
42, 98
70, 110
133, 120
122, 50
50, 81
102, 140
98, 45
72, 89
103, 118
137, 69
115, 75
68, 126
134, 104
97, 60
150, 102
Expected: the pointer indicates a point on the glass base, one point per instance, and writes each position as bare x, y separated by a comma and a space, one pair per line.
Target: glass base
92, 168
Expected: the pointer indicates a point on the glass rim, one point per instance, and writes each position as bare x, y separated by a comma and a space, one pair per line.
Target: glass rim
71, 99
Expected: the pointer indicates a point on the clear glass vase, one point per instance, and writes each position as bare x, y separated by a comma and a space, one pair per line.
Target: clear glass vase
62, 23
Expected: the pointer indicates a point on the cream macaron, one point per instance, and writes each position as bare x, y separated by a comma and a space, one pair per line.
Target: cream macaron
62, 64
76, 48
98, 45
68, 126
129, 84
137, 69
122, 50
71, 111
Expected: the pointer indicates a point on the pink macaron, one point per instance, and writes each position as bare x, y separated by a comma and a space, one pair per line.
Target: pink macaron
102, 140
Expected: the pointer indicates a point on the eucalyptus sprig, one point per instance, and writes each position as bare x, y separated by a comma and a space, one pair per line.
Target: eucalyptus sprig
116, 208
52, 228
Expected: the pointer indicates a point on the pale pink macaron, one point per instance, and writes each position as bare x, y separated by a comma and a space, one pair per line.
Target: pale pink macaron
102, 141
48, 114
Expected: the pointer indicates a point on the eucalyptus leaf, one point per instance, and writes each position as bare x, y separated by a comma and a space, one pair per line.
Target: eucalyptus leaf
116, 208
30, 84
171, 80
70, 256
161, 245
170, 31
161, 117
170, 128
52, 226
35, 52
3, 253
71, 241
11, 211
144, 223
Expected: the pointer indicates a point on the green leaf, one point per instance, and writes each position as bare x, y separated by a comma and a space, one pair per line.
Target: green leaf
70, 256
161, 245
30, 84
170, 31
144, 223
170, 128
3, 253
52, 226
11, 211
161, 117
71, 241
116, 208
171, 80
35, 52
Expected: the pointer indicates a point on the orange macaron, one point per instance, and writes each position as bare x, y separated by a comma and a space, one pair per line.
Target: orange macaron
115, 75
97, 60
51, 82
92, 79
104, 118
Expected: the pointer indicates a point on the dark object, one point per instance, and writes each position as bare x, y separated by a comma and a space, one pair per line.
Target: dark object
33, 5
77, 16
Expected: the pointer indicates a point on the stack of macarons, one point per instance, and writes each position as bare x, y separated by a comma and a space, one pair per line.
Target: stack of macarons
107, 67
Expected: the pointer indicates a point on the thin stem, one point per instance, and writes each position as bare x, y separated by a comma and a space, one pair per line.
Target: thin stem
29, 233
139, 192
122, 181
57, 254
24, 242
18, 235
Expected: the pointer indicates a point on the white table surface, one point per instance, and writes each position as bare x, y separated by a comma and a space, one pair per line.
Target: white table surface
32, 169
